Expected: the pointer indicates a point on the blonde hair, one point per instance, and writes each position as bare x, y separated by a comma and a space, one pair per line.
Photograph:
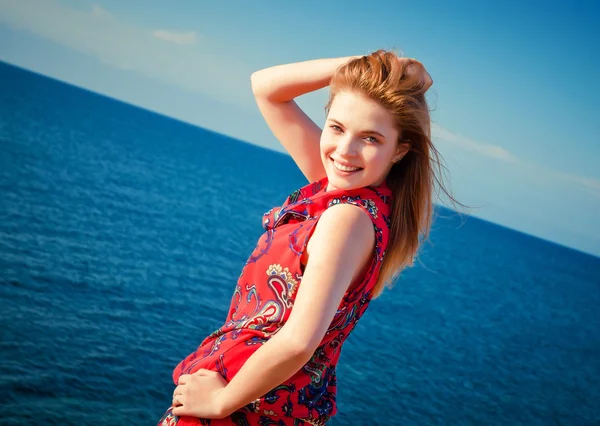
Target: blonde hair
400, 86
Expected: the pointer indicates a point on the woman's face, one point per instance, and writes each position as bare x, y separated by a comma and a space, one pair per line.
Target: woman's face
359, 143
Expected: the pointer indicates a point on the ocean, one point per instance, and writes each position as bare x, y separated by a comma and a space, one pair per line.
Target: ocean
123, 232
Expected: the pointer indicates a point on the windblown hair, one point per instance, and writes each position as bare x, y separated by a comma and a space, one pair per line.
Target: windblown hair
400, 88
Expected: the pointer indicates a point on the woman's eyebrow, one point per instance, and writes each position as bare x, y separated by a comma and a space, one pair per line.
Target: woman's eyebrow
373, 132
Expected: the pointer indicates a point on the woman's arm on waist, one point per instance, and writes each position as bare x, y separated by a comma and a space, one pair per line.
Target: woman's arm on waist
275, 89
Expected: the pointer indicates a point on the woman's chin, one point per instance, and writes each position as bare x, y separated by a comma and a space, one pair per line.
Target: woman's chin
342, 182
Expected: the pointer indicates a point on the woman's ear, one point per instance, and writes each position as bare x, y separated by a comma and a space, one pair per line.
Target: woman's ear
401, 150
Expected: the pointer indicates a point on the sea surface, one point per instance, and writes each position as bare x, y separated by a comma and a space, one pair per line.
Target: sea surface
123, 232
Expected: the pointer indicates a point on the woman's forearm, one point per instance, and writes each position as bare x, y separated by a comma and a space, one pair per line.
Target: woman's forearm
283, 83
273, 363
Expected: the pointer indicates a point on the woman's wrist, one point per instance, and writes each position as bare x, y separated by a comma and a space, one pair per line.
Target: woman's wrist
223, 409
283, 83
224, 404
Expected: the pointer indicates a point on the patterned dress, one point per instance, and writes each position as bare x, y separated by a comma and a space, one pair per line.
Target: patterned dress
263, 299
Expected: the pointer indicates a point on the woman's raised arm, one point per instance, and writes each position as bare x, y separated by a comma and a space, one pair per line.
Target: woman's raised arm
275, 89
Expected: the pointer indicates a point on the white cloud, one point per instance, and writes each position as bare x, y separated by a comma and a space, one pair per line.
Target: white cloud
591, 185
102, 13
493, 151
175, 57
176, 37
452, 140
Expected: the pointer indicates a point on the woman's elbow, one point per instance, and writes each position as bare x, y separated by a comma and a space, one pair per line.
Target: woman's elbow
299, 346
256, 83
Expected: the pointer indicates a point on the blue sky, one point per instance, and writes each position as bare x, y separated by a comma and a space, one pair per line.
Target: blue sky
514, 99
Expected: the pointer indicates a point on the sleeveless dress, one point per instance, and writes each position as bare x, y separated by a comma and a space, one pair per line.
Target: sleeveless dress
262, 301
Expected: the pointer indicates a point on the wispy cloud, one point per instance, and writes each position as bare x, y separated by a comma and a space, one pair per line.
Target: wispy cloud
181, 58
100, 12
443, 135
591, 185
176, 37
493, 151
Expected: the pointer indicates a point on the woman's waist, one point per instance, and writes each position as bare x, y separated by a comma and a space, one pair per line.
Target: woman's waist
309, 393
222, 353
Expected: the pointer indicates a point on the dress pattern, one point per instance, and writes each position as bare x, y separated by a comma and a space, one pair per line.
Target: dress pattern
263, 299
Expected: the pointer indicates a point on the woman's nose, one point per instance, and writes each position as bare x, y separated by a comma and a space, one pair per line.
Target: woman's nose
346, 146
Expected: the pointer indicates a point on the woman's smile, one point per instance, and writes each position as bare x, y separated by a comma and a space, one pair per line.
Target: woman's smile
344, 167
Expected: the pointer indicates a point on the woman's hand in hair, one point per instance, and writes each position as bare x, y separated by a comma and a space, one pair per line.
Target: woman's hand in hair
414, 68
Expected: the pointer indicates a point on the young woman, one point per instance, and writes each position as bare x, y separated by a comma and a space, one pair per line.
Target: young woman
332, 246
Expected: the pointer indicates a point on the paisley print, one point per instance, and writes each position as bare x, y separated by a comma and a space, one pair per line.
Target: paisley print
263, 299
276, 272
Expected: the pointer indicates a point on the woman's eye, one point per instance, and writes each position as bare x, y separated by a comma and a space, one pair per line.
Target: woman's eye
336, 128
372, 139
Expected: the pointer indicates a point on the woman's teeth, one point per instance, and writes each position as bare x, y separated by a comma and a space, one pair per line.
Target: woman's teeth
344, 168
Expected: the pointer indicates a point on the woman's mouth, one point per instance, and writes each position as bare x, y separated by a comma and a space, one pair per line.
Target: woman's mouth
345, 168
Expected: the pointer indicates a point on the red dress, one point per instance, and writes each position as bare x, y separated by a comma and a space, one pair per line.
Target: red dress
263, 299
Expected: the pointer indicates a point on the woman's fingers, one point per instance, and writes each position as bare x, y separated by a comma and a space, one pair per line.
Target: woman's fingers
205, 372
178, 400
416, 69
428, 81
178, 395
179, 410
183, 379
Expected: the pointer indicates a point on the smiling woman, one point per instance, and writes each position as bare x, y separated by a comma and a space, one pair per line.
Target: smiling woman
360, 149
327, 251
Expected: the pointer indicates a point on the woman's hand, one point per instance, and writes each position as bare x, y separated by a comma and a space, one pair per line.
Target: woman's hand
198, 395
416, 68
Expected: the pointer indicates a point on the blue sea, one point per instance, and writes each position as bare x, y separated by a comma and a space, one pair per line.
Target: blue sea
122, 235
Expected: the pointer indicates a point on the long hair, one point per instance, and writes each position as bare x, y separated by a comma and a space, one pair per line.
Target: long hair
400, 88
